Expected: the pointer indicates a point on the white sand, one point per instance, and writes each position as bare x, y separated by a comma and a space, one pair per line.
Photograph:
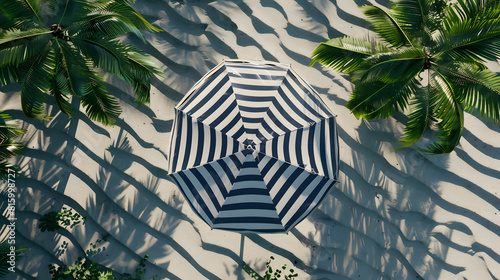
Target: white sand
394, 215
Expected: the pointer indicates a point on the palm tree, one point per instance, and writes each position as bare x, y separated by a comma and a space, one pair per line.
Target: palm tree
62, 48
429, 58
7, 147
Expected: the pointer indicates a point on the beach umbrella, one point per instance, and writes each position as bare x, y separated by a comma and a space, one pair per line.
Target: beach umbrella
253, 147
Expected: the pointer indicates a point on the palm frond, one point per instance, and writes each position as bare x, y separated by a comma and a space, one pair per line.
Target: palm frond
378, 99
99, 105
387, 26
449, 100
473, 9
73, 66
61, 92
104, 26
448, 138
37, 83
138, 73
16, 47
124, 9
7, 147
420, 18
480, 89
402, 64
421, 115
470, 39
344, 54
20, 12
8, 130
108, 55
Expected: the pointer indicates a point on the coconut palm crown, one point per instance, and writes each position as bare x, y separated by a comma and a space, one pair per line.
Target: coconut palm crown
62, 48
428, 58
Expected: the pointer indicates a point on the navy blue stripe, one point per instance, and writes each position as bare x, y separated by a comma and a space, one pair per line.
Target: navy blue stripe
236, 146
298, 111
223, 145
216, 106
310, 148
211, 150
254, 76
217, 179
268, 166
253, 98
239, 132
248, 206
298, 147
174, 176
251, 120
248, 220
253, 109
262, 147
309, 201
206, 187
227, 170
236, 161
276, 176
203, 87
293, 108
250, 177
230, 125
286, 116
249, 191
322, 147
223, 115
289, 182
268, 129
298, 192
286, 147
200, 139
195, 194
334, 144
187, 151
274, 147
178, 127
248, 164
253, 87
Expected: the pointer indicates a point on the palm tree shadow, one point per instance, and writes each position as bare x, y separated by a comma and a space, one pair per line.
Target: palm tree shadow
382, 214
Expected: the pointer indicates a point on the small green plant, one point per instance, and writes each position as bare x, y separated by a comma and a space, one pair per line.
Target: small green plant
82, 269
271, 273
92, 251
85, 269
277, 273
53, 221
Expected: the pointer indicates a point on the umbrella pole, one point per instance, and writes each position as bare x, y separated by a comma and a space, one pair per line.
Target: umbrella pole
243, 264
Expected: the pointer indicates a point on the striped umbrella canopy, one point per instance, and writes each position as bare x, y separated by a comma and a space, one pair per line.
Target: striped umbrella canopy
253, 147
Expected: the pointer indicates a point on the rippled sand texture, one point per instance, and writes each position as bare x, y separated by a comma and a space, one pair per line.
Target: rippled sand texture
394, 215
